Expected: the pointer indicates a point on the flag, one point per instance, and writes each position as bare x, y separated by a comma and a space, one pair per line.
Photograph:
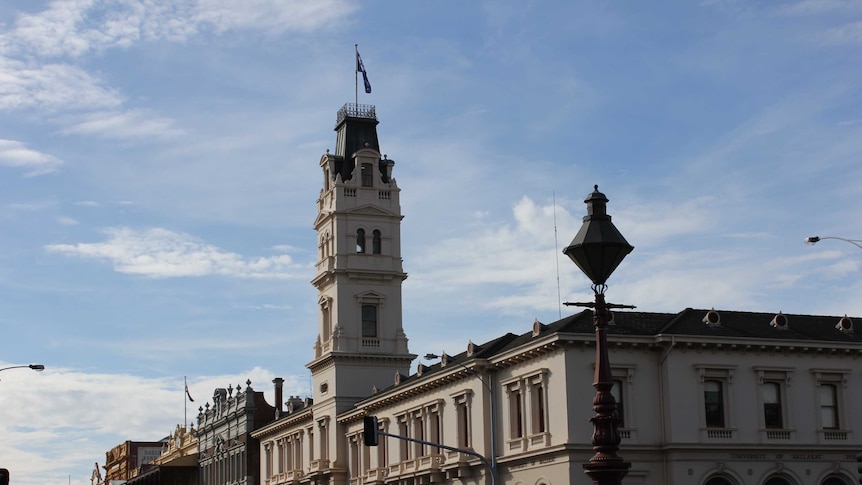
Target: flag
189, 395
361, 68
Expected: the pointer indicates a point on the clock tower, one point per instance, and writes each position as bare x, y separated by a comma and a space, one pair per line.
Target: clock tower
361, 344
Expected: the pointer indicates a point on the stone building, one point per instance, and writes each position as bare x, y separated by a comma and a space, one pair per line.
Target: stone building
227, 452
124, 460
176, 465
705, 397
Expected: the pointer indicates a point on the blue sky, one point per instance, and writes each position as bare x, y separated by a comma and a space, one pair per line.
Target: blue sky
159, 171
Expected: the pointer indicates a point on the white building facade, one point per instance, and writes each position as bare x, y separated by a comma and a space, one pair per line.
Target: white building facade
705, 397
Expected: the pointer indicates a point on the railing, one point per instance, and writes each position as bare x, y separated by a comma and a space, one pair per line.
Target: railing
777, 435
349, 192
835, 435
371, 342
356, 111
719, 433
384, 195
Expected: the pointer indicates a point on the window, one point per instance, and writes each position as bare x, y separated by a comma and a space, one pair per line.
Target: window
715, 392
462, 412
404, 431
367, 174
772, 399
527, 403
829, 406
360, 240
617, 393
375, 242
538, 393
771, 394
369, 321
777, 481
516, 414
713, 400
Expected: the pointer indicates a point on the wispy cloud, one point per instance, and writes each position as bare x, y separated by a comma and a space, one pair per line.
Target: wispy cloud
16, 154
846, 34
127, 124
67, 221
160, 253
51, 87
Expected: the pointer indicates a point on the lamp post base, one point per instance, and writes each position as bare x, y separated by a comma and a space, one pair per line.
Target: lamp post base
607, 472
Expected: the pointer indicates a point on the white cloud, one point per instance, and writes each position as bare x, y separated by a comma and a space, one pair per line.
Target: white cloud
128, 124
67, 221
16, 154
57, 419
51, 87
72, 28
160, 253
87, 203
846, 34
271, 15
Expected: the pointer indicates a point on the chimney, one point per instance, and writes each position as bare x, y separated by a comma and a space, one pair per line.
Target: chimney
279, 384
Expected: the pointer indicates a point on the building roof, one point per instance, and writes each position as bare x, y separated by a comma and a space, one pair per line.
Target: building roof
814, 331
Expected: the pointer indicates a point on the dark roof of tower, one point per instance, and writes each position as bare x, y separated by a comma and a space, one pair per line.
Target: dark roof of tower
356, 126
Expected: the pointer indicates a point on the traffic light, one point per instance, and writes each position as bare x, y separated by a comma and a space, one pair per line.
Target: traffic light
369, 431
4, 476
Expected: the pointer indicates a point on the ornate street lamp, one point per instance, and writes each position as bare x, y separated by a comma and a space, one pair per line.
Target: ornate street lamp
598, 248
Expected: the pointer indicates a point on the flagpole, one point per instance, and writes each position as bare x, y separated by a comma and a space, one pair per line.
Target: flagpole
356, 71
185, 404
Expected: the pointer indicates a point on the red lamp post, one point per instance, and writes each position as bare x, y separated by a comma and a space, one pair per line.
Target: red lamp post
597, 249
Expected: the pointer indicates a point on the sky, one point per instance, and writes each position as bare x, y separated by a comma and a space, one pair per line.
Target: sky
159, 175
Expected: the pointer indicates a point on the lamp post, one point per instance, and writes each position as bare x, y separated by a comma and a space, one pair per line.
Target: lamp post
487, 384
812, 240
597, 249
35, 367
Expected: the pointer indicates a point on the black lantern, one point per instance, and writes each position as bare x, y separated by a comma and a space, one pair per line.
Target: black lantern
598, 248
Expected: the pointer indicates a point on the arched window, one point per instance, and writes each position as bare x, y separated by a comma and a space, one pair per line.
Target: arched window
777, 481
718, 480
834, 480
360, 240
375, 242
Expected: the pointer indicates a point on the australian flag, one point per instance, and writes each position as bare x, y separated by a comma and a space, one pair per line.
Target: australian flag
361, 68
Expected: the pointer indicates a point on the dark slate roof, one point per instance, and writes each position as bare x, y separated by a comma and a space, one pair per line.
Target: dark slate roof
757, 325
689, 322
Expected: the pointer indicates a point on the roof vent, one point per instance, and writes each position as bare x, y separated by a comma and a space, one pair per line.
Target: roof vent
779, 321
845, 324
537, 327
712, 318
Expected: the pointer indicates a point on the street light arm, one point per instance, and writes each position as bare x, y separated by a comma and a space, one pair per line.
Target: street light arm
35, 367
812, 240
